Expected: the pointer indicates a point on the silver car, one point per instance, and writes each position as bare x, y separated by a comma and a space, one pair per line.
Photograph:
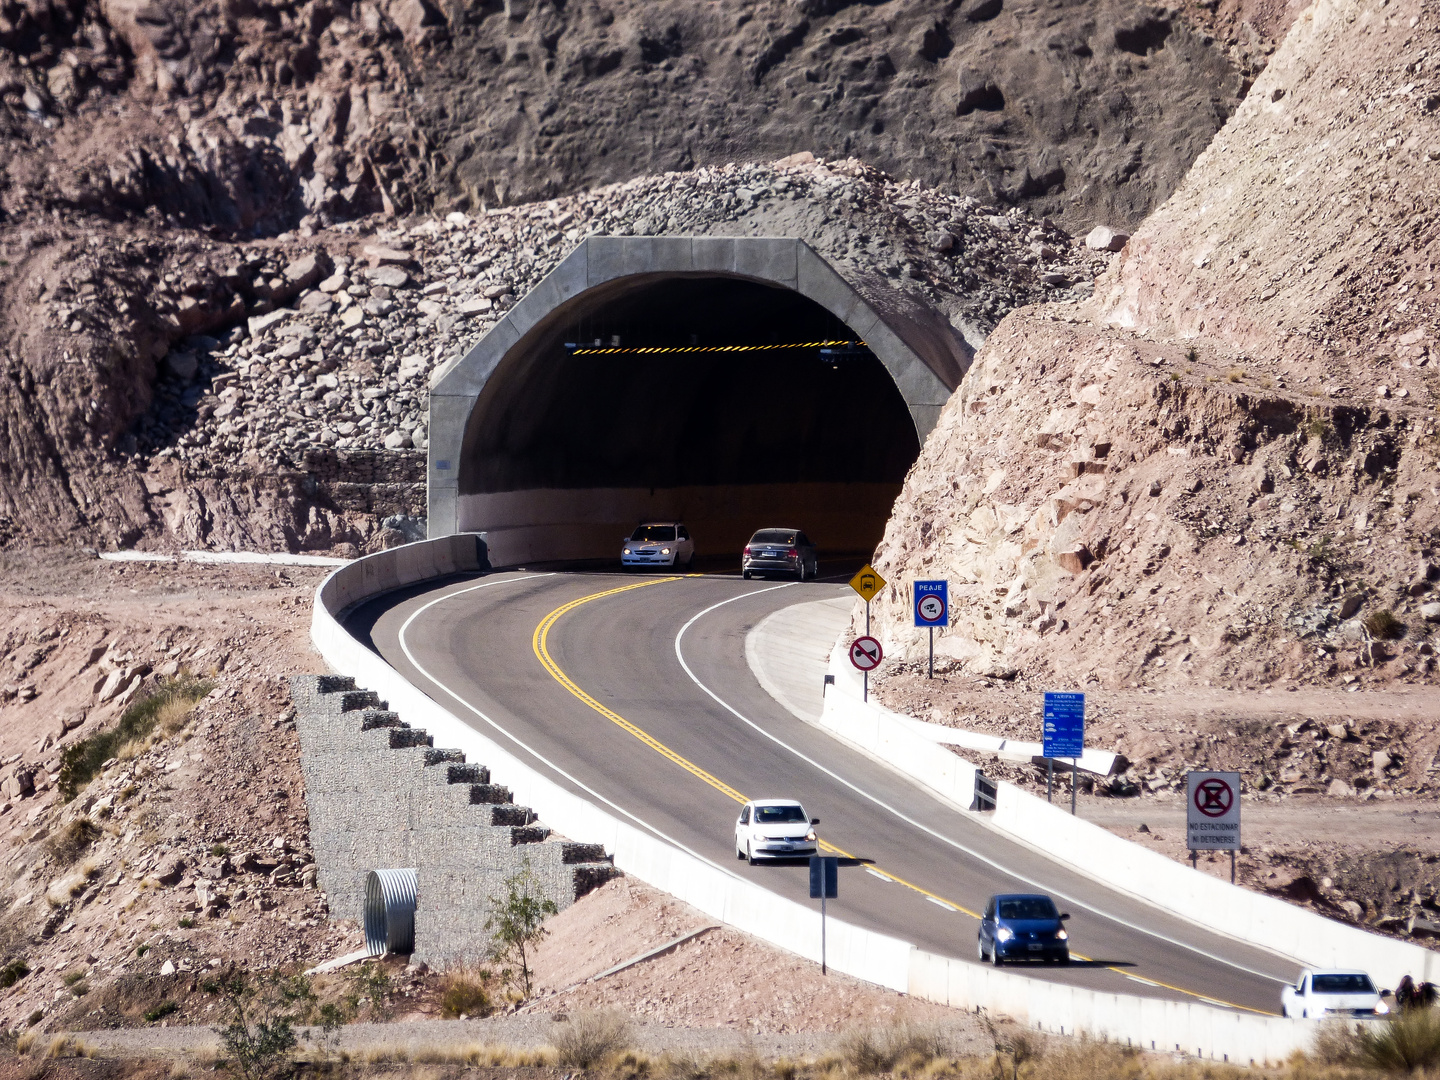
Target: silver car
780, 551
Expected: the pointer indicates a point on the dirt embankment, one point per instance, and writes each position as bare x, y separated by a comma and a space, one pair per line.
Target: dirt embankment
1221, 471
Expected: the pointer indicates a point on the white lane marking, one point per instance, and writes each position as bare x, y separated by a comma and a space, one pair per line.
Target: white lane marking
680, 655
941, 903
876, 873
405, 648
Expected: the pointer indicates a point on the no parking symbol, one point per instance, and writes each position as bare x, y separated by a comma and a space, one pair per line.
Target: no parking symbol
1212, 811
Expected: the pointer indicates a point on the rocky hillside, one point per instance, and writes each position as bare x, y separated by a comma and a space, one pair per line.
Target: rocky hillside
293, 415
1223, 467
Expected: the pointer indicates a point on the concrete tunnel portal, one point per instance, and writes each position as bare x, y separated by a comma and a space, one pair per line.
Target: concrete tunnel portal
731, 384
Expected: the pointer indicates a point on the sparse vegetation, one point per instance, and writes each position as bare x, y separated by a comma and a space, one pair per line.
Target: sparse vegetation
219, 851
466, 992
166, 709
164, 1009
1316, 429
872, 1051
73, 840
13, 971
1191, 355
590, 1038
1235, 375
260, 1015
516, 924
1384, 625
186, 922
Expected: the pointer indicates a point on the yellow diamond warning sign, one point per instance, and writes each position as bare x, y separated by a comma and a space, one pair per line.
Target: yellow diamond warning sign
867, 582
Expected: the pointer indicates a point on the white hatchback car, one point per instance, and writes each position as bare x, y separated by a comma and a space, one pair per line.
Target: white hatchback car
774, 828
658, 543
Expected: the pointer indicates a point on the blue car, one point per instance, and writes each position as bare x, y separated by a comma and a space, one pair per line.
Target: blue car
1023, 926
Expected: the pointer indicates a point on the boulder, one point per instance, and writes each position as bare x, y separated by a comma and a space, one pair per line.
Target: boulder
1430, 612
1104, 238
392, 277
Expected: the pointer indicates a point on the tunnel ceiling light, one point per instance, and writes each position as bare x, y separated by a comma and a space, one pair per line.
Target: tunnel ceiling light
848, 348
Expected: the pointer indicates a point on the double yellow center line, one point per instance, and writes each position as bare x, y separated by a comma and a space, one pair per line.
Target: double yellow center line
540, 643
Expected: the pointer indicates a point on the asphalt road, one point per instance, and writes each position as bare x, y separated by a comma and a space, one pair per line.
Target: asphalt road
666, 661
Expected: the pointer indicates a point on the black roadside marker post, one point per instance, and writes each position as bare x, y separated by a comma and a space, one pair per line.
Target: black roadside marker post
824, 885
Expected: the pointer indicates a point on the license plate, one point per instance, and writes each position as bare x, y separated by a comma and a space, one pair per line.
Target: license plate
771, 554
1034, 948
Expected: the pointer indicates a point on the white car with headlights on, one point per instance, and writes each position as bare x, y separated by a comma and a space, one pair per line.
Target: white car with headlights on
1321, 995
658, 543
774, 829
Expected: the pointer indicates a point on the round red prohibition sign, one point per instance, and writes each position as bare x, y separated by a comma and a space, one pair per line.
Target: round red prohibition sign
865, 653
1213, 797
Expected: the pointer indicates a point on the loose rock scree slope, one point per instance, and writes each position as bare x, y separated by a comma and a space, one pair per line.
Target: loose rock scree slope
1222, 467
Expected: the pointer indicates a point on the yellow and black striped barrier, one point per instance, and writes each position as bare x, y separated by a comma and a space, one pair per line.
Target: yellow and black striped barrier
659, 350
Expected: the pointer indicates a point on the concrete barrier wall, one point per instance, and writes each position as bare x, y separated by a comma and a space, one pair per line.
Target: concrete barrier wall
1270, 923
1204, 1031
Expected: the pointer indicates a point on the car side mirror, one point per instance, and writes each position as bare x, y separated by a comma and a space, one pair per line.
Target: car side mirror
1065, 916
814, 821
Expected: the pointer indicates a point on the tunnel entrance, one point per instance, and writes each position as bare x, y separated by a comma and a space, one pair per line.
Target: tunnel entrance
727, 401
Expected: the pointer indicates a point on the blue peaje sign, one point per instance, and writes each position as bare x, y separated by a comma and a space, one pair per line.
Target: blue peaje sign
824, 877
931, 601
1064, 725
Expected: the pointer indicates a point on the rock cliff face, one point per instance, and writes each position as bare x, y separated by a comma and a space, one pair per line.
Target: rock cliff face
168, 167
1220, 468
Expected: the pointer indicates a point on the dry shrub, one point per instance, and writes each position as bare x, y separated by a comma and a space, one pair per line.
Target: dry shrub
880, 1050
466, 992
1334, 1043
1384, 625
589, 1038
1091, 1059
73, 840
25, 1041
1409, 1042
1235, 374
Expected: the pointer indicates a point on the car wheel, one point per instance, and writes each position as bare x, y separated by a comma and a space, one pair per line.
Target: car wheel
980, 948
749, 855
745, 574
995, 955
739, 852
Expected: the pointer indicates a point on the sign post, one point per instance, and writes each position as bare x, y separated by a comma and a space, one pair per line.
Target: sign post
1212, 814
867, 582
932, 608
824, 885
1064, 735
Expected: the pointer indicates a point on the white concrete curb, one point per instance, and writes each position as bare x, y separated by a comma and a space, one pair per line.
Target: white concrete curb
1247, 916
1194, 1028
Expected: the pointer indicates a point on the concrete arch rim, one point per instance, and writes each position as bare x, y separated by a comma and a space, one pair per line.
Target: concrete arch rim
598, 261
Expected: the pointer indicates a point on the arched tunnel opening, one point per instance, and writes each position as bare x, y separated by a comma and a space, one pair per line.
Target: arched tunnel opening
726, 403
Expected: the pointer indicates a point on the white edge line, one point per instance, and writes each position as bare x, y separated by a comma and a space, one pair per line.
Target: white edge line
679, 654
405, 648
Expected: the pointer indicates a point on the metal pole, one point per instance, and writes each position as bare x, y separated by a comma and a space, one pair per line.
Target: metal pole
1074, 771
824, 970
932, 654
1049, 780
1232, 866
866, 697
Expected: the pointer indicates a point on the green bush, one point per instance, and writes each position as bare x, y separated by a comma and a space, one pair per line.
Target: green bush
1408, 1043
169, 704
164, 1009
1384, 625
13, 972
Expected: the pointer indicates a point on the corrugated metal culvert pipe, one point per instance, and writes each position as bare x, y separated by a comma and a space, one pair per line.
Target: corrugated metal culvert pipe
390, 911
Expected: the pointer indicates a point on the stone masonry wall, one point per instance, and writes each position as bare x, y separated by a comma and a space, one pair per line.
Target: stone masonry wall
380, 795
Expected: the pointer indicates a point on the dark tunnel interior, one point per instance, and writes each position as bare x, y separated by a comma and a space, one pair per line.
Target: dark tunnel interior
697, 397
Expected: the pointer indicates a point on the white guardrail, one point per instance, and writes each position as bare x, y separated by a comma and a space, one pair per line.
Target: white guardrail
1236, 912
1192, 1028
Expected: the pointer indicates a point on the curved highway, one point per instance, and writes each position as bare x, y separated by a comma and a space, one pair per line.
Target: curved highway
634, 692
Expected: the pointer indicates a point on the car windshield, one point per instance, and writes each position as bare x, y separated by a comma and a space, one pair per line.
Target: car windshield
1343, 984
1027, 907
779, 815
653, 534
774, 536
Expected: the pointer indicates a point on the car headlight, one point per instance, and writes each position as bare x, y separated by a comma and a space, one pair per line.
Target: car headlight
664, 551
627, 551
1061, 935
810, 835
1004, 934
1381, 1008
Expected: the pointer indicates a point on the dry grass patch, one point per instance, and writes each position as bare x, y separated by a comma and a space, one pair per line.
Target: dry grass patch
590, 1038
466, 992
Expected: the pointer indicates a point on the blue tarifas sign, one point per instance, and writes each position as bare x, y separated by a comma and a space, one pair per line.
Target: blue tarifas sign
1064, 725
932, 603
